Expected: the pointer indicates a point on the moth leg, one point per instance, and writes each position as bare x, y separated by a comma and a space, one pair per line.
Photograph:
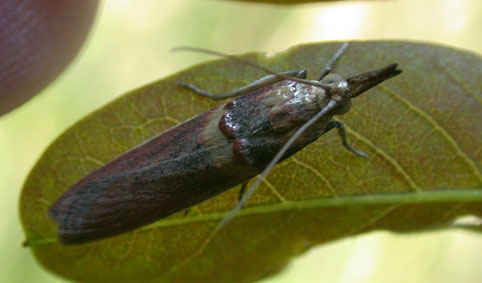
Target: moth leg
332, 61
264, 81
341, 132
186, 211
242, 191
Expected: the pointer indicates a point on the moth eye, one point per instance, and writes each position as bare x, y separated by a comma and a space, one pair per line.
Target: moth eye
343, 108
332, 78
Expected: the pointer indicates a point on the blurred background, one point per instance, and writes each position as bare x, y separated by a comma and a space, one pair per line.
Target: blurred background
129, 47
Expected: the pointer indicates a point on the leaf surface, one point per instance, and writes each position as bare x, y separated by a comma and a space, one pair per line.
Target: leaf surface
421, 130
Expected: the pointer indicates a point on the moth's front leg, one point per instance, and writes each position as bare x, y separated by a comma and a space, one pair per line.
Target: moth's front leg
341, 132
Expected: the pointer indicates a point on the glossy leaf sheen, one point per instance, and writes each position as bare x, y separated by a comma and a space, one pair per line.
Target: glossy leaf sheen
422, 132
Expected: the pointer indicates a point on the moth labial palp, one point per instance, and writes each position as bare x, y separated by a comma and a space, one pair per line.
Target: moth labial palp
268, 121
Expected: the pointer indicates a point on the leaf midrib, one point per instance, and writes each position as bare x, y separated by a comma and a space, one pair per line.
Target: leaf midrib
440, 196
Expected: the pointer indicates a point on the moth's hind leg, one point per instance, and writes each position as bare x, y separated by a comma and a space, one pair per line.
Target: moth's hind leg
264, 81
186, 211
241, 192
341, 132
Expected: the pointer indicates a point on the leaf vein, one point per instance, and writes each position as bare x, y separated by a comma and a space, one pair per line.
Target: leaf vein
459, 82
464, 196
274, 190
437, 127
372, 220
317, 173
387, 157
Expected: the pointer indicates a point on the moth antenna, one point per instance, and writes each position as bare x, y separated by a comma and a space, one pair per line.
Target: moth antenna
329, 65
254, 65
331, 104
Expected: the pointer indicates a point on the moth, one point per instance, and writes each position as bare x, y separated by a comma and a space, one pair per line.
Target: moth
266, 122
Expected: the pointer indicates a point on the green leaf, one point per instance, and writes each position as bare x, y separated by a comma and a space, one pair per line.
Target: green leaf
422, 132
